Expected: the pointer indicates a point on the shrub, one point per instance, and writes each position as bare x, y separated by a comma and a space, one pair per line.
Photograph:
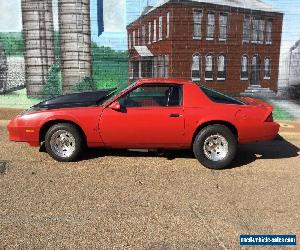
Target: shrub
86, 84
53, 86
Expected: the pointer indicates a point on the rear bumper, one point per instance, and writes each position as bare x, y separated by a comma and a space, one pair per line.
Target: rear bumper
266, 132
19, 132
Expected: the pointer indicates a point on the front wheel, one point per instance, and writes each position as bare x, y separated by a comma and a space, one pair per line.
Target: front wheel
215, 146
64, 142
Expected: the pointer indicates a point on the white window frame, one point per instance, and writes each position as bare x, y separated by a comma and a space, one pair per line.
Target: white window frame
166, 66
160, 28
212, 24
247, 67
129, 41
131, 70
269, 69
269, 25
134, 38
138, 37
224, 26
212, 67
197, 23
196, 66
149, 33
224, 67
154, 31
143, 35
255, 30
261, 31
247, 27
168, 25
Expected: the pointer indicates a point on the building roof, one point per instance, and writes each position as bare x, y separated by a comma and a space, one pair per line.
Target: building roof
143, 51
245, 4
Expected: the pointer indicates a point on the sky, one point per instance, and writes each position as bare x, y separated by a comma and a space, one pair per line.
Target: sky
118, 13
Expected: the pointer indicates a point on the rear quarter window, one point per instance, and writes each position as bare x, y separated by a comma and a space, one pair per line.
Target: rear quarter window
219, 97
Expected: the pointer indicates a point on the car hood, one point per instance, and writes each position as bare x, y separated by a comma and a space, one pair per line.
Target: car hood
84, 99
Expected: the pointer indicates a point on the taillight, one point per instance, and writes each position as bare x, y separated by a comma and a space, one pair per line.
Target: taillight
270, 118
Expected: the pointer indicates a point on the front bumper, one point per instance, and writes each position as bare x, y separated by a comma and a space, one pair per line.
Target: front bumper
20, 131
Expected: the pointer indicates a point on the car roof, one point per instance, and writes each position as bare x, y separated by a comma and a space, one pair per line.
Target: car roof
163, 81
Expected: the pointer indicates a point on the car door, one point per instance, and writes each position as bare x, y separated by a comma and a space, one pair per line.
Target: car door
151, 115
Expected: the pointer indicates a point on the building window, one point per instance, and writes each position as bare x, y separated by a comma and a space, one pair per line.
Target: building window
143, 35
161, 72
210, 26
160, 27
154, 31
223, 21
166, 66
149, 33
255, 30
267, 71
261, 31
197, 16
247, 29
221, 68
209, 76
155, 66
244, 68
129, 41
269, 32
130, 70
196, 67
138, 37
133, 36
168, 25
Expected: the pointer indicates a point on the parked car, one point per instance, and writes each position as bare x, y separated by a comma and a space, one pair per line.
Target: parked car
148, 114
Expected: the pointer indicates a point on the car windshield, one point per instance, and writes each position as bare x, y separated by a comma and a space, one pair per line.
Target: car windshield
114, 92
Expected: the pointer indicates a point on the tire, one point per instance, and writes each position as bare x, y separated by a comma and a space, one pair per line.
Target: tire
64, 142
215, 146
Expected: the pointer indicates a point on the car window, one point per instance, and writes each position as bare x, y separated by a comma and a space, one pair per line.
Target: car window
153, 96
219, 97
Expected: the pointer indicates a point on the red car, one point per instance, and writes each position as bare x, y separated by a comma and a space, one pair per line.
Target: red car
149, 114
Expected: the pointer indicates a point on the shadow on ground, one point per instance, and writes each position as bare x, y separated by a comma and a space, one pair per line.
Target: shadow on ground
276, 149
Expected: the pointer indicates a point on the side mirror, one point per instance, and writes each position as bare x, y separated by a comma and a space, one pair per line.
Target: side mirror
115, 106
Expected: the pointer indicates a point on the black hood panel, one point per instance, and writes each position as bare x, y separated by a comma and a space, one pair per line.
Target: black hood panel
84, 99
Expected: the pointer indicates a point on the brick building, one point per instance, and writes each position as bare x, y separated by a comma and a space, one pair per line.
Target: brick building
227, 45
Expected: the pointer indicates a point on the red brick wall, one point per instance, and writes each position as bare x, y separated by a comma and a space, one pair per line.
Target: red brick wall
181, 46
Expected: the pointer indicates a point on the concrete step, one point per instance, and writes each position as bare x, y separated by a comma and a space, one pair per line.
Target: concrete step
257, 90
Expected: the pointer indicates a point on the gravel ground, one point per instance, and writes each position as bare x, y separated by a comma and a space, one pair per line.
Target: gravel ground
132, 200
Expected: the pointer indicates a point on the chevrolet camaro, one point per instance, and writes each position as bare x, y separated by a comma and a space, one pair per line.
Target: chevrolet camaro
148, 114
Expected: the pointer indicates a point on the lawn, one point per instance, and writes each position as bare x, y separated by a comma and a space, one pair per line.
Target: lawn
281, 115
18, 100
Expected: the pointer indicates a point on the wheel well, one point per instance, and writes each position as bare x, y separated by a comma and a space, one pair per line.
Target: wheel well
49, 124
227, 124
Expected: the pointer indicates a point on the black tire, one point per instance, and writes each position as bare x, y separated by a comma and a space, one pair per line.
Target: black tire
217, 132
73, 139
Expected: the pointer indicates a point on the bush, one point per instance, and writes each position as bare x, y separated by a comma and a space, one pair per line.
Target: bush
86, 84
53, 86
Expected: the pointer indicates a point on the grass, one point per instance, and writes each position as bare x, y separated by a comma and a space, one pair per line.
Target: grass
17, 100
281, 115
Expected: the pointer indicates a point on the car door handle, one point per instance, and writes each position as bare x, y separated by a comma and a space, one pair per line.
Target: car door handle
175, 115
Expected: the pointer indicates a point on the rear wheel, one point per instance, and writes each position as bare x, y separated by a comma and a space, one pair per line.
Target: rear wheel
64, 142
215, 146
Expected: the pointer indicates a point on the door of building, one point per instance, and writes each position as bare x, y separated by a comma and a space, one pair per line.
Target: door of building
255, 71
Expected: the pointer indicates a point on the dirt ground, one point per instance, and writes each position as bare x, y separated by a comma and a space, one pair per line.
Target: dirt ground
115, 199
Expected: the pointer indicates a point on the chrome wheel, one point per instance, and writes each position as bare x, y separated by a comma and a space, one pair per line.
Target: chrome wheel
215, 147
63, 143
